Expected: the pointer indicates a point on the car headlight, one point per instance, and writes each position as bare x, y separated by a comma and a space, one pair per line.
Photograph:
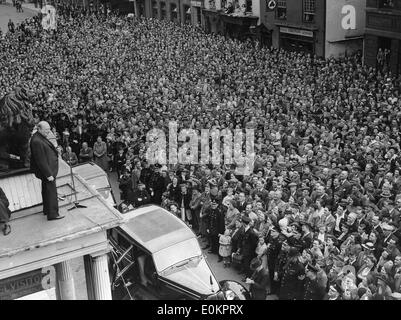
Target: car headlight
229, 294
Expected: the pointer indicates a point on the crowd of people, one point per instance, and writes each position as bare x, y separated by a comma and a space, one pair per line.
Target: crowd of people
319, 216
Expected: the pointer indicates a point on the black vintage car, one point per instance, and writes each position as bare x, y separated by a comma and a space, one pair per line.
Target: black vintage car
155, 256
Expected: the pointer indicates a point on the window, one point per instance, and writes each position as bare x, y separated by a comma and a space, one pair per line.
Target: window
248, 7
155, 9
174, 12
187, 12
141, 7
281, 10
386, 4
163, 10
309, 10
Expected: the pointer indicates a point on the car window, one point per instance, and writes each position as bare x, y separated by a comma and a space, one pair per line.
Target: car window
177, 253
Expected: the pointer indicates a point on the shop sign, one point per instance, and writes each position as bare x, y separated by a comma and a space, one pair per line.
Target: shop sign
27, 283
298, 32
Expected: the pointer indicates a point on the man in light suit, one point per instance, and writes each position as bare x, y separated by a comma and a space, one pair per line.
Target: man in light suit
44, 164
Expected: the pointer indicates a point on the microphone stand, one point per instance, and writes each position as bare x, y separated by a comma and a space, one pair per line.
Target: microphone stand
76, 203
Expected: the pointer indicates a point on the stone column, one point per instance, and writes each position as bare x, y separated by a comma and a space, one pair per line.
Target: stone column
101, 278
64, 281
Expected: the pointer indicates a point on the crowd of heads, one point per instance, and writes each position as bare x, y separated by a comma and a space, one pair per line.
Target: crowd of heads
326, 184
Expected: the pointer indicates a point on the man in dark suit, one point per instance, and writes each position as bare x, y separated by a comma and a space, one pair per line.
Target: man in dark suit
5, 213
86, 153
248, 245
70, 157
215, 226
259, 281
44, 164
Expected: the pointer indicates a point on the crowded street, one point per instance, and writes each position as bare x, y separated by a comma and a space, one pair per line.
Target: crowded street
317, 214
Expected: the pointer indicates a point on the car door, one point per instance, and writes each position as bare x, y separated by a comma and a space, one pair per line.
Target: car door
122, 264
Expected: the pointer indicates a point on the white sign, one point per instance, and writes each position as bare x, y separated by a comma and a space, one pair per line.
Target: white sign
196, 3
299, 32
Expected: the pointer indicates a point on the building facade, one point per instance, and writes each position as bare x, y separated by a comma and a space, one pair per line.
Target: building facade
383, 34
180, 11
233, 18
296, 25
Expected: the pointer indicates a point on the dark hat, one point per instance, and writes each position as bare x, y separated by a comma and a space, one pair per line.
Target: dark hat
312, 268
245, 219
214, 201
158, 165
255, 263
293, 252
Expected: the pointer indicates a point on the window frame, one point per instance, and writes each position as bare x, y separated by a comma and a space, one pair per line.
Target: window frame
282, 6
307, 10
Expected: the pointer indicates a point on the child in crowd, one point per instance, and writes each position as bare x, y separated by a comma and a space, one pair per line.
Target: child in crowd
261, 251
225, 247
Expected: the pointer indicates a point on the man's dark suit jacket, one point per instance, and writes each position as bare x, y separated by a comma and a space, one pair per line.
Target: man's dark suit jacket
44, 157
5, 213
262, 282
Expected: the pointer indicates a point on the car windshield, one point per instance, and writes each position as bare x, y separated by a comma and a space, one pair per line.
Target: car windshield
173, 256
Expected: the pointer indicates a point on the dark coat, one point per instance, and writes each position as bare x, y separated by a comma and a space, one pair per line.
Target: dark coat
44, 157
216, 221
86, 155
5, 213
140, 198
272, 252
307, 241
291, 285
261, 285
175, 193
312, 290
157, 184
249, 242
236, 238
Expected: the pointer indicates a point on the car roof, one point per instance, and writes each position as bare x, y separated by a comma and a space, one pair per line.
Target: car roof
155, 228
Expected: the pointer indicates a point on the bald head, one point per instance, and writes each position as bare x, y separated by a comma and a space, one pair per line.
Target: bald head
44, 128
